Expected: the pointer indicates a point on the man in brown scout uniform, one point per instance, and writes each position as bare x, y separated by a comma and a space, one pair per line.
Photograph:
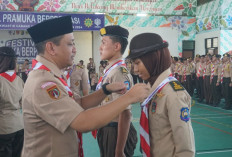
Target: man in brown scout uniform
206, 78
79, 81
226, 80
186, 79
118, 138
197, 63
51, 115
169, 130
200, 71
215, 80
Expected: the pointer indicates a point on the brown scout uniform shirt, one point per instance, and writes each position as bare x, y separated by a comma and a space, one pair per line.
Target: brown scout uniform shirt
78, 80
118, 74
170, 136
11, 118
48, 112
227, 67
208, 69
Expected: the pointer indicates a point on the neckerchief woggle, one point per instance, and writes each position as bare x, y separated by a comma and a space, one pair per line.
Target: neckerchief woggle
106, 72
164, 82
9, 75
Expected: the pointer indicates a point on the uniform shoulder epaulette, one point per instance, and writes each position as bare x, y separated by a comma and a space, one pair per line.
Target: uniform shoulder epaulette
124, 70
176, 85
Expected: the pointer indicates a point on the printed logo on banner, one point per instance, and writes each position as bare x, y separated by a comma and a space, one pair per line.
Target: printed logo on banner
88, 22
97, 22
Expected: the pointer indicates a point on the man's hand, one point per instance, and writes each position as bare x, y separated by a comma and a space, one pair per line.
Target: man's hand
138, 92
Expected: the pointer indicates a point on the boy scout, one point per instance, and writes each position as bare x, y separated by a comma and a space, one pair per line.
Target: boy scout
51, 115
113, 139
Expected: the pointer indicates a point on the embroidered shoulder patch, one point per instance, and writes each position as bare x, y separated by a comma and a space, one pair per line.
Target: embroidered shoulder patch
53, 92
124, 70
176, 85
184, 114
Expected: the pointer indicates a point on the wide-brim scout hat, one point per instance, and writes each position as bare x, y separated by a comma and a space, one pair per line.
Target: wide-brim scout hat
145, 43
114, 30
51, 28
7, 51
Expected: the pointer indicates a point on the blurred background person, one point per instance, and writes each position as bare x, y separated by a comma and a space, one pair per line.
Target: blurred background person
25, 69
11, 118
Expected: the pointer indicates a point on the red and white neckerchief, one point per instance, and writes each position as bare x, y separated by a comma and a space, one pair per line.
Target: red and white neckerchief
199, 71
144, 123
222, 73
68, 74
9, 75
204, 71
184, 73
212, 73
106, 72
39, 65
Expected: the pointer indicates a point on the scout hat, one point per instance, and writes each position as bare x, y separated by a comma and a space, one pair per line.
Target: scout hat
51, 28
7, 51
114, 30
145, 43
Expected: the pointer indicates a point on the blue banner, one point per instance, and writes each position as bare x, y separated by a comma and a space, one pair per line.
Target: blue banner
24, 20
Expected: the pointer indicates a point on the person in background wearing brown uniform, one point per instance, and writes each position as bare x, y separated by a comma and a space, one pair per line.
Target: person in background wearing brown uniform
118, 138
226, 80
206, 78
91, 68
25, 68
101, 68
51, 115
215, 80
170, 130
174, 61
186, 79
79, 81
11, 118
197, 62
200, 71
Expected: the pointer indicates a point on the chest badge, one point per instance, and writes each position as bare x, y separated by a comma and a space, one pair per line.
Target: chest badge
77, 83
160, 95
185, 115
153, 106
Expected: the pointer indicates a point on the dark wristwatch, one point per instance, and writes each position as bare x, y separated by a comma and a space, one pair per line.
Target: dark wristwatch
105, 90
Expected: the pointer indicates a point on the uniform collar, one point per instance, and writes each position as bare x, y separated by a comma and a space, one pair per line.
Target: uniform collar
161, 77
114, 61
54, 69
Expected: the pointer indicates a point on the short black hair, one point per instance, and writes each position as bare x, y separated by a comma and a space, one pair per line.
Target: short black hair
122, 41
41, 46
